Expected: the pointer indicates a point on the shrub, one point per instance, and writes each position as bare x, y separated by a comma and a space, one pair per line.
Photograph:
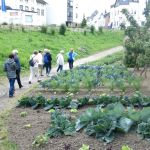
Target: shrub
83, 23
100, 29
44, 29
52, 31
62, 29
22, 28
10, 27
122, 26
92, 29
4, 23
85, 32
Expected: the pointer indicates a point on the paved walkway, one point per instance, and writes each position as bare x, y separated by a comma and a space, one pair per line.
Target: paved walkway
5, 101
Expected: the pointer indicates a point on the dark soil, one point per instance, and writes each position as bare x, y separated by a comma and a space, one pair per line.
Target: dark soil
40, 122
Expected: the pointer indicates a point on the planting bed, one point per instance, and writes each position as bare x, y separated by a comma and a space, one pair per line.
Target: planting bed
40, 121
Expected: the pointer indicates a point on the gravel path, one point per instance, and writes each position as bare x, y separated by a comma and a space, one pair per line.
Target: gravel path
6, 102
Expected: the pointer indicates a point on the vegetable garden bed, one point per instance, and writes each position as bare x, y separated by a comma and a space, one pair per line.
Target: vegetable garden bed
94, 115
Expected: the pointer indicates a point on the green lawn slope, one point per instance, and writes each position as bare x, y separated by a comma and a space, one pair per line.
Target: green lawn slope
28, 41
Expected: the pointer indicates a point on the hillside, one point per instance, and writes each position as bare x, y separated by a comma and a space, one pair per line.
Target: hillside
26, 42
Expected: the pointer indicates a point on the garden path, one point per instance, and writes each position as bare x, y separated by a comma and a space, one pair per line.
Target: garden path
6, 102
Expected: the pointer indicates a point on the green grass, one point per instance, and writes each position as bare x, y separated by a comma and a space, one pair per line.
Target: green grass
5, 144
31, 40
110, 59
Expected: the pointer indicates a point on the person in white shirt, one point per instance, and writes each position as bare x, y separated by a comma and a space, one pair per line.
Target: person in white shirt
34, 67
60, 61
40, 63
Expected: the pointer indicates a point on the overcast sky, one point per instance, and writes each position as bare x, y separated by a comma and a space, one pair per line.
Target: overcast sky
90, 5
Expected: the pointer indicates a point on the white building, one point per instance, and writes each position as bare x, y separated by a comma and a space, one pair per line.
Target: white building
135, 7
24, 12
64, 12
99, 19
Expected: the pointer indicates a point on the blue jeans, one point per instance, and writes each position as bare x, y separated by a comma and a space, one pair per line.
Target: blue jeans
12, 86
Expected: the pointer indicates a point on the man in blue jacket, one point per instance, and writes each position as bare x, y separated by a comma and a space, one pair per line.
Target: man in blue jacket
17, 61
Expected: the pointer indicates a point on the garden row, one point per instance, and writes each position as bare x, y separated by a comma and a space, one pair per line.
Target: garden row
89, 77
137, 100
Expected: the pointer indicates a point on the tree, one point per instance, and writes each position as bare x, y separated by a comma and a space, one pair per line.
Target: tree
62, 29
84, 22
135, 43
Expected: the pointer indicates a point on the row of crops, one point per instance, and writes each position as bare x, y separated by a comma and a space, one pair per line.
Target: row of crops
111, 115
90, 77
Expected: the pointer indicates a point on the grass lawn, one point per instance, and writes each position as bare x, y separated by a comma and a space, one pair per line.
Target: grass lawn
110, 59
28, 41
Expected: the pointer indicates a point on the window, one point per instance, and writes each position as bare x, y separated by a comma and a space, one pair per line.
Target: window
76, 15
26, 8
71, 3
26, 1
42, 12
38, 12
28, 18
21, 7
21, 0
32, 8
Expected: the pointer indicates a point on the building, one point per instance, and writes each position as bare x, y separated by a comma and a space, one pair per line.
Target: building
98, 19
64, 12
24, 12
135, 7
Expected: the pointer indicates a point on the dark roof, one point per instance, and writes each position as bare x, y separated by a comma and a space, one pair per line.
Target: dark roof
7, 8
123, 2
41, 1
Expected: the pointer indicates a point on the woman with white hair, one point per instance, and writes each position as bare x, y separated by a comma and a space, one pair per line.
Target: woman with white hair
18, 70
60, 61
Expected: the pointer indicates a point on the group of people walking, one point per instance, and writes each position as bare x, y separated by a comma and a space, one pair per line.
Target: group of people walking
37, 62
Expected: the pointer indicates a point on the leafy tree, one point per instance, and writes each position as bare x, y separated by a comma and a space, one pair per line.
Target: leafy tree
83, 23
92, 29
62, 29
138, 40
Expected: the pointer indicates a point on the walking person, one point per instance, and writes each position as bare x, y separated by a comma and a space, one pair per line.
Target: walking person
17, 61
40, 62
71, 57
60, 61
47, 61
10, 67
33, 67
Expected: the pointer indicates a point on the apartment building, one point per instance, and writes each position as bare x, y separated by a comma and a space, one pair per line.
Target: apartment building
24, 12
135, 7
64, 12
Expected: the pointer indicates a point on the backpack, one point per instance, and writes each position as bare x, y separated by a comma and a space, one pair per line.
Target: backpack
46, 59
31, 62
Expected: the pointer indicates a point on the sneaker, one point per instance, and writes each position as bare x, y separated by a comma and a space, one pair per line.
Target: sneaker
20, 86
11, 96
29, 82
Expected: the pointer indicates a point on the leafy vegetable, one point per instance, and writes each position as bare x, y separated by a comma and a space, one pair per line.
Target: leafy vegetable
60, 125
40, 140
84, 147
